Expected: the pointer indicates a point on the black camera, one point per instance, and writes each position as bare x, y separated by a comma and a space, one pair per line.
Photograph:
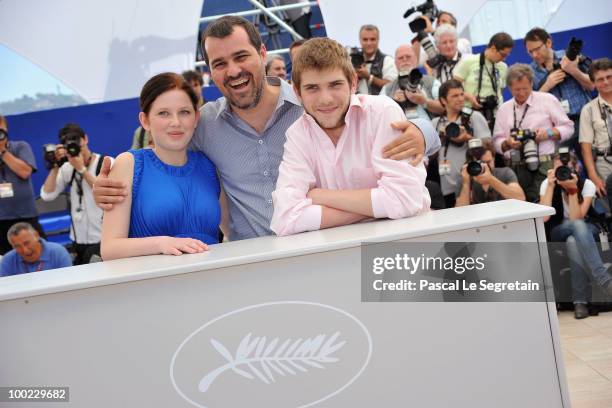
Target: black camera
3, 134
428, 9
418, 26
573, 50
72, 143
489, 104
356, 55
530, 147
49, 156
563, 172
409, 81
475, 166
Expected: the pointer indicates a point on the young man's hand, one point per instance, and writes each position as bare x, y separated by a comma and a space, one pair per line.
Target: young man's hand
411, 143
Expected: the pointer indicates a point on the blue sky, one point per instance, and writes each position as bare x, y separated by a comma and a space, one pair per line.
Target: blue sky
22, 77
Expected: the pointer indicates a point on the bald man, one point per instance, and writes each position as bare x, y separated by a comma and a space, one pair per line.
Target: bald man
418, 100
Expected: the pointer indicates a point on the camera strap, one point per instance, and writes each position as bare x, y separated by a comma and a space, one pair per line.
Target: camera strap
605, 115
443, 120
522, 118
448, 66
492, 76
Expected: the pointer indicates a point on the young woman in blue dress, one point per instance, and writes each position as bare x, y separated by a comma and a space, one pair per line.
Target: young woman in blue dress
172, 204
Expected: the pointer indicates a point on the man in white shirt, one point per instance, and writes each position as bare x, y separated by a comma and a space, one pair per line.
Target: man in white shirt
75, 166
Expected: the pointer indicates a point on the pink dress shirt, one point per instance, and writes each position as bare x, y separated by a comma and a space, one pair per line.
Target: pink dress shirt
545, 111
311, 160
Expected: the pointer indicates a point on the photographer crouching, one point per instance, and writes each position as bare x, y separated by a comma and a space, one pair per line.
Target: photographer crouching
572, 196
528, 129
482, 182
72, 164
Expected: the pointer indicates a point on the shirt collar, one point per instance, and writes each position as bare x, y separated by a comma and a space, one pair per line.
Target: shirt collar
286, 95
528, 102
603, 102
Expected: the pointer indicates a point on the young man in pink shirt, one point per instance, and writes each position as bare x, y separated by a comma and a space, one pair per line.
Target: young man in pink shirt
332, 171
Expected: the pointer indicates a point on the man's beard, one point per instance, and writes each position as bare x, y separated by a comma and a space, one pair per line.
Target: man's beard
256, 95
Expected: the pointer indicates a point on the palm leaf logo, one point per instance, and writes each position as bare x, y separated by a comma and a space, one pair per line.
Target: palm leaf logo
258, 358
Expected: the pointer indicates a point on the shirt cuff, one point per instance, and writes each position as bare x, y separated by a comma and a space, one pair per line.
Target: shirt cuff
309, 219
378, 207
432, 141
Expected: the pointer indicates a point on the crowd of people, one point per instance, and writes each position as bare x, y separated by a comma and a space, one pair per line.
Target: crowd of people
280, 156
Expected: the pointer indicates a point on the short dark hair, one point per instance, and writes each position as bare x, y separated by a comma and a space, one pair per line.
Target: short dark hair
476, 154
296, 43
191, 76
447, 86
161, 83
501, 41
72, 129
537, 34
448, 13
601, 64
224, 27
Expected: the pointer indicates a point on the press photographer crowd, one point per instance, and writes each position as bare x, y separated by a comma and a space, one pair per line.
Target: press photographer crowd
439, 135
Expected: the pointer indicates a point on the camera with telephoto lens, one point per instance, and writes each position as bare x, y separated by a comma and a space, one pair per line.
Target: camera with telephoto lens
409, 81
573, 50
563, 172
453, 130
3, 134
529, 147
356, 55
418, 26
475, 166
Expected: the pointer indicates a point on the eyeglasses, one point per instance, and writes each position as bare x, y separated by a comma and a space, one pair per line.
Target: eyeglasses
536, 49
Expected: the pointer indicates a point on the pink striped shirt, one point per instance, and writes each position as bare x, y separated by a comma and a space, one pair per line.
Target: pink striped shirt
312, 161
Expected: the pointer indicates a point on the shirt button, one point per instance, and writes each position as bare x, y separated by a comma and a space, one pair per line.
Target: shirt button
269, 201
260, 141
266, 173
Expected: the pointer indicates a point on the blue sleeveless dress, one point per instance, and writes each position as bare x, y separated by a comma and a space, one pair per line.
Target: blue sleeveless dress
176, 201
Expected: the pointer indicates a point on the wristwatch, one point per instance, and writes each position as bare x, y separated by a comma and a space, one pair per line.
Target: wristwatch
370, 79
550, 134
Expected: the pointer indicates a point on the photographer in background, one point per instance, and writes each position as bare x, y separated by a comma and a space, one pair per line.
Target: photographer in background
74, 165
417, 94
572, 197
446, 40
481, 181
484, 76
377, 69
528, 129
456, 127
17, 164
275, 66
596, 129
562, 73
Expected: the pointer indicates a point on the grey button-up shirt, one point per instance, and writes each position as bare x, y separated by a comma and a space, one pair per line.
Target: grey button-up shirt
248, 161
